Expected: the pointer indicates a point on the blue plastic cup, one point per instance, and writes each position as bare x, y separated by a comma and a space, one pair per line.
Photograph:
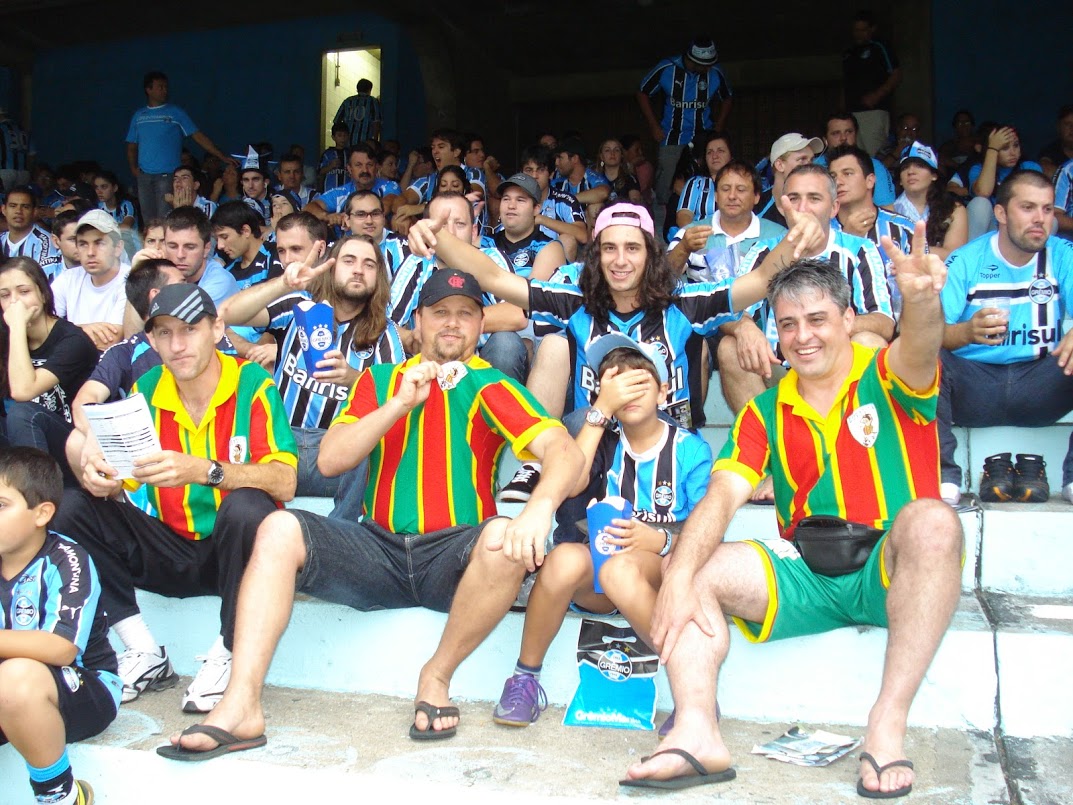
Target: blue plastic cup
599, 516
316, 331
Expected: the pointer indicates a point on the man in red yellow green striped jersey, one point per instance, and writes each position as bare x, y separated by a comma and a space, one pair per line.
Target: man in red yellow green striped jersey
849, 433
227, 457
434, 428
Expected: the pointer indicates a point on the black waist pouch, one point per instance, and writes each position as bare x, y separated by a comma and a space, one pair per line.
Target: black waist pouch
832, 546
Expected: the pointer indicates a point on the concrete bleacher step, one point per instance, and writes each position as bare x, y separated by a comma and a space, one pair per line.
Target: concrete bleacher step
330, 647
331, 747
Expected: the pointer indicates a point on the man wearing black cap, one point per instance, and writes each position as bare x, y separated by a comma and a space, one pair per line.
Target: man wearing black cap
227, 457
439, 420
689, 85
529, 252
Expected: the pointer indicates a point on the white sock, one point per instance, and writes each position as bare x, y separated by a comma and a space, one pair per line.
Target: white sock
135, 634
218, 649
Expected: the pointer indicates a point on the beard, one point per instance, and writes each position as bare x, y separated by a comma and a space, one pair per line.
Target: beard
359, 298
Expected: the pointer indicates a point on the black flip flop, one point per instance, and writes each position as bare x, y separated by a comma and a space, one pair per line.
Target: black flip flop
227, 743
702, 776
433, 712
897, 792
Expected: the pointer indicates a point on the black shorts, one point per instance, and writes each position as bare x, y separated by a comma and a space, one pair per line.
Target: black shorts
87, 705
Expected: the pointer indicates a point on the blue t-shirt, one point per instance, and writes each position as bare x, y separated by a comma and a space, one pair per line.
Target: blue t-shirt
218, 282
977, 273
1000, 174
159, 132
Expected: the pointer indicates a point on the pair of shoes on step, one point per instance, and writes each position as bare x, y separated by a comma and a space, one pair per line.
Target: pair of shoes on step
144, 670
1024, 480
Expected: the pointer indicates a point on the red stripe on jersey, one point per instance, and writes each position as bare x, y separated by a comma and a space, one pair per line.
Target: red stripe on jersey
855, 475
436, 482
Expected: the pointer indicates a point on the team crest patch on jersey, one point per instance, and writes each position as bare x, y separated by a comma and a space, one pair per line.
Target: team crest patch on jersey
661, 348
322, 337
663, 495
71, 678
450, 374
521, 259
1041, 291
864, 424
25, 611
237, 449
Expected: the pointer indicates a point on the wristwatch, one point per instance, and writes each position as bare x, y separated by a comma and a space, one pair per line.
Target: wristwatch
666, 545
596, 417
216, 474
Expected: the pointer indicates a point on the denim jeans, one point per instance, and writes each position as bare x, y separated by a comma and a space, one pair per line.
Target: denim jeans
347, 489
506, 351
152, 187
28, 424
367, 567
972, 394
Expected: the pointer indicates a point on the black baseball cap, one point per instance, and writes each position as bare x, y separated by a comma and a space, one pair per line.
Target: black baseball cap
186, 302
446, 282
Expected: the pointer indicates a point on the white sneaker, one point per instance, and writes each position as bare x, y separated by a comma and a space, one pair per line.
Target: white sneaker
209, 685
950, 493
1067, 492
141, 670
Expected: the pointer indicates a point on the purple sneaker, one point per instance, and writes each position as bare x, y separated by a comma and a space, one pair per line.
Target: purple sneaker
522, 702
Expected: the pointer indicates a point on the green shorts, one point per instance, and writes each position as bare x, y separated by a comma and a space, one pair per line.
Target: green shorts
801, 602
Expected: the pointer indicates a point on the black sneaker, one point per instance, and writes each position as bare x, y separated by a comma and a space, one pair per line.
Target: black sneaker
1030, 479
521, 486
996, 484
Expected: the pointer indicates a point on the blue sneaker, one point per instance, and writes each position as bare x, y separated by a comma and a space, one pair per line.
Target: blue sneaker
522, 702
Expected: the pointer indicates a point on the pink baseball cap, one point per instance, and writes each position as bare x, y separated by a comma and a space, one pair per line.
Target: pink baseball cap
624, 215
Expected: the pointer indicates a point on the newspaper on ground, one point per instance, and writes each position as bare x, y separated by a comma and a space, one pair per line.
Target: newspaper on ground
124, 430
818, 748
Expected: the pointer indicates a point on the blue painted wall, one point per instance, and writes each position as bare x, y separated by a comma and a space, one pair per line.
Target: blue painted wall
1004, 61
84, 96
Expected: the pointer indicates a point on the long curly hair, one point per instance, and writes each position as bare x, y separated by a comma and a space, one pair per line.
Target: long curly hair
658, 281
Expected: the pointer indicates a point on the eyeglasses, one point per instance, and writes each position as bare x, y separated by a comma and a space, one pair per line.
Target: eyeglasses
361, 215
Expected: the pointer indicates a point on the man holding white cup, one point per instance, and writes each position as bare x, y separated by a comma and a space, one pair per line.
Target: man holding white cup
1005, 359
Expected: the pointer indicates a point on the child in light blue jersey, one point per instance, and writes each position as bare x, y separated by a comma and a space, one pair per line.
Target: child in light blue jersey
660, 468
54, 648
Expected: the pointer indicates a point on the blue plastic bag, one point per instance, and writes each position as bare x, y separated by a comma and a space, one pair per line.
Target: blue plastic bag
618, 679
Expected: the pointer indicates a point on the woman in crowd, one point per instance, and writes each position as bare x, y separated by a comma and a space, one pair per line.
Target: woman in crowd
624, 187
924, 198
44, 360
698, 196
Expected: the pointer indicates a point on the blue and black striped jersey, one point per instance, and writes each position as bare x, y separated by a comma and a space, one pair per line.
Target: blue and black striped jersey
698, 310
698, 196
313, 403
359, 113
663, 483
38, 246
687, 98
59, 592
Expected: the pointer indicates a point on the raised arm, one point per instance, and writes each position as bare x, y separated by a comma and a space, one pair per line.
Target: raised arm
914, 355
428, 237
806, 236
